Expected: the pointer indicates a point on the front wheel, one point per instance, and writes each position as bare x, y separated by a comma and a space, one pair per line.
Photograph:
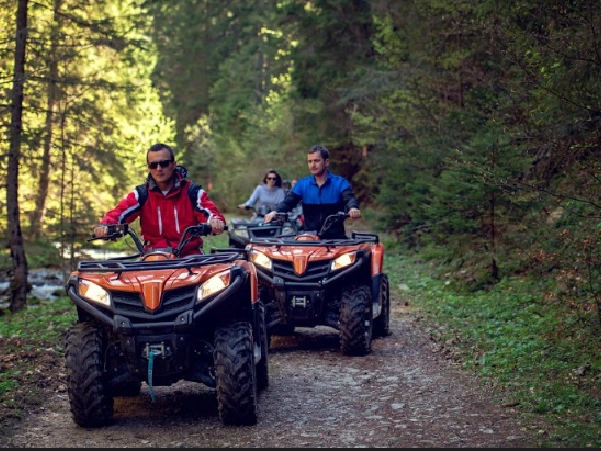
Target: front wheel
90, 399
236, 375
355, 322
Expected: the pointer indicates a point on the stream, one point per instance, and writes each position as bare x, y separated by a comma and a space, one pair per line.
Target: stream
48, 284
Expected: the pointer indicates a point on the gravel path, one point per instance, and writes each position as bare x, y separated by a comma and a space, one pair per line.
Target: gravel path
403, 394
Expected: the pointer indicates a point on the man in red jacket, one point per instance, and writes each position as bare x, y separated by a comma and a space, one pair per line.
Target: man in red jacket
166, 204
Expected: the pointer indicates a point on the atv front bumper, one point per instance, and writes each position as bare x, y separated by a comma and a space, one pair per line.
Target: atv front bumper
190, 315
310, 300
177, 345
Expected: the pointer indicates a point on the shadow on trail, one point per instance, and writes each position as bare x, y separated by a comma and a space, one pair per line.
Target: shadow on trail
192, 402
320, 338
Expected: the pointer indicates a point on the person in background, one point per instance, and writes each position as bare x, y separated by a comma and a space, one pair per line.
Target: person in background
321, 193
267, 194
166, 203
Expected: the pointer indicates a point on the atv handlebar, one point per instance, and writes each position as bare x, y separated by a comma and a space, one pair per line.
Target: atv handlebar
280, 218
261, 210
336, 218
115, 231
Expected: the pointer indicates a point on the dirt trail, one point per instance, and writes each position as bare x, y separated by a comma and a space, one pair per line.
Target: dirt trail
401, 395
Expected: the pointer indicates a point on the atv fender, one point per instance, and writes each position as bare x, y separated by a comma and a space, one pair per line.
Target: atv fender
377, 259
376, 283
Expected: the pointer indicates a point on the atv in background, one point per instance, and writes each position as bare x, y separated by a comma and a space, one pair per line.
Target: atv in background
159, 318
306, 281
242, 231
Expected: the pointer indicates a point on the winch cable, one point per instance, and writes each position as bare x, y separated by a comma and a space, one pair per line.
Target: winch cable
151, 355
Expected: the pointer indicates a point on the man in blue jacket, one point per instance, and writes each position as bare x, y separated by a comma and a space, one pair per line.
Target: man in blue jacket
322, 194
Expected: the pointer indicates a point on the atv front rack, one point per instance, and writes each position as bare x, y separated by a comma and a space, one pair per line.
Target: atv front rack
365, 237
142, 265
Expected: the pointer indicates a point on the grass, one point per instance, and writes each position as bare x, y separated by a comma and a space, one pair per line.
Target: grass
46, 321
31, 342
542, 356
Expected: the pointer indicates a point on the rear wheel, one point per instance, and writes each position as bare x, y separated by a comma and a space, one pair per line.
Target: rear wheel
382, 322
236, 375
355, 322
90, 400
263, 365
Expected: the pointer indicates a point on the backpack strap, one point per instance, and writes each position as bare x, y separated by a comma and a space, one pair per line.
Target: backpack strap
193, 190
142, 191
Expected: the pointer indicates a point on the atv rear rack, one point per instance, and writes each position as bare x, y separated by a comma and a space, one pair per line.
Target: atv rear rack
142, 265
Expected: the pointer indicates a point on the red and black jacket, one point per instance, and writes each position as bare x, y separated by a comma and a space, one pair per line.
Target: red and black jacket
164, 217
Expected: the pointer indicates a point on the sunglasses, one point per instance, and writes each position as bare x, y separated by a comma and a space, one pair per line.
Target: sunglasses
271, 178
162, 163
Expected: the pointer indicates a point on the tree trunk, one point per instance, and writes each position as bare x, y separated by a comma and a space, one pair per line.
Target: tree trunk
18, 285
37, 216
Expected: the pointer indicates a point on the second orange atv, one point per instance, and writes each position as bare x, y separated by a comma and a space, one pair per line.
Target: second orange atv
306, 281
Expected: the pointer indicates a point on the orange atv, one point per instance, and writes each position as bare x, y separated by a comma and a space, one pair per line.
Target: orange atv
306, 281
159, 318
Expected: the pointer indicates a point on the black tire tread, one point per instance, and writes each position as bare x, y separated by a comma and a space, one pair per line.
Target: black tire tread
236, 375
354, 309
382, 322
90, 401
263, 365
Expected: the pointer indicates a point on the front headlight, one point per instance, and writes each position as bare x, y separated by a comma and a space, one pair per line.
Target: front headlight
214, 285
343, 261
242, 232
94, 293
259, 258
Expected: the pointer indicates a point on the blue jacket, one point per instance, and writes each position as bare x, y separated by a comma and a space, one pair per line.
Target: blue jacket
321, 201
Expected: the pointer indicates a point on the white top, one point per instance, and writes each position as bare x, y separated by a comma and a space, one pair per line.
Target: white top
262, 195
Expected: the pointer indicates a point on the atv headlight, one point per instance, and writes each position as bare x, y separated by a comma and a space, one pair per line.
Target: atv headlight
242, 232
288, 230
214, 285
94, 292
343, 261
259, 258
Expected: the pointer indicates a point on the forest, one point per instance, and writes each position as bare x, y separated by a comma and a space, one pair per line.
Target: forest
468, 129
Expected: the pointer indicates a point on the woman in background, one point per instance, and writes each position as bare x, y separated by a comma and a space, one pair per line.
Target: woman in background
267, 194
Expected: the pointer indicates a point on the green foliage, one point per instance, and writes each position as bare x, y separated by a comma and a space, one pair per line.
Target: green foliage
46, 322
28, 333
541, 354
89, 113
42, 254
217, 241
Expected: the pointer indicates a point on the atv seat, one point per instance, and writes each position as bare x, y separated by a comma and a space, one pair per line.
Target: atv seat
158, 254
306, 237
